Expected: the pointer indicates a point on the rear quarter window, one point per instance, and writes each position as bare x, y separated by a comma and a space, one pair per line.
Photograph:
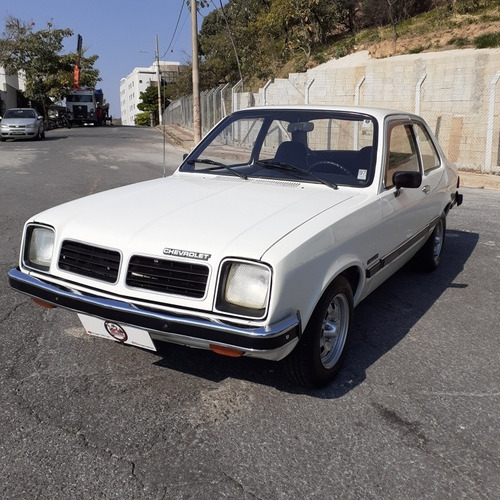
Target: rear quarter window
430, 157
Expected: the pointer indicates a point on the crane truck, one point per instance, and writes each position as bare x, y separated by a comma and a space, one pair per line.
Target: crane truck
83, 103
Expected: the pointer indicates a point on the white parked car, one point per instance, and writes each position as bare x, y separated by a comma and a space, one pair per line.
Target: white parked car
261, 244
22, 123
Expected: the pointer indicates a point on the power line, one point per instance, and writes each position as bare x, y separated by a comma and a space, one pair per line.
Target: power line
231, 38
175, 30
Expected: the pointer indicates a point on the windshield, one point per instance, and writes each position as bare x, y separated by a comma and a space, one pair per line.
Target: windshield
79, 98
20, 113
335, 148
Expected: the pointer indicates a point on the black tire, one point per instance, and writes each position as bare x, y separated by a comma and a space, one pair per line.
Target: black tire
318, 356
429, 256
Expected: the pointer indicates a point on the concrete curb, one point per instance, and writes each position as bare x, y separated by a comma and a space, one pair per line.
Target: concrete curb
481, 181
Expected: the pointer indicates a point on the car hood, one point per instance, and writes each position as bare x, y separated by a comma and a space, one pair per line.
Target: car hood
209, 215
18, 121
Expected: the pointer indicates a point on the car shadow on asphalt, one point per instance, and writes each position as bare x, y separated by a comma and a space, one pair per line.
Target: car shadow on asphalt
48, 138
51, 137
380, 322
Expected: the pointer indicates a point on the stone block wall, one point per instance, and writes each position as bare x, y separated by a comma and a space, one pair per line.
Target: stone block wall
457, 92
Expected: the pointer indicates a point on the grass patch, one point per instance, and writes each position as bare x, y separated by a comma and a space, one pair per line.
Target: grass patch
459, 42
487, 41
416, 50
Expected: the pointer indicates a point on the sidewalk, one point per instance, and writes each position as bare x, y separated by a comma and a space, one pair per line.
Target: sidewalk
179, 136
184, 139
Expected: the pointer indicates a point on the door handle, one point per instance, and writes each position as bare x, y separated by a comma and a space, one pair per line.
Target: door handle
426, 189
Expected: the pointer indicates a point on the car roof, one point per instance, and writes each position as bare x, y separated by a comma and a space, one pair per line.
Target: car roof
377, 112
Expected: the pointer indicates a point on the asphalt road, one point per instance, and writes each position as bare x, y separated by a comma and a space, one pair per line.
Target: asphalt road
414, 413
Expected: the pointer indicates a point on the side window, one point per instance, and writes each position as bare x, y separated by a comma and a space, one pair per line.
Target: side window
430, 157
402, 152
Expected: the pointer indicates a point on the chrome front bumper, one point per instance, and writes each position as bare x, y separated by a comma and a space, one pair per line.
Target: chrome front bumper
272, 342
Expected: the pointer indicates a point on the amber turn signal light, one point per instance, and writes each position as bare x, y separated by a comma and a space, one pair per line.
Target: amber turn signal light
44, 304
226, 351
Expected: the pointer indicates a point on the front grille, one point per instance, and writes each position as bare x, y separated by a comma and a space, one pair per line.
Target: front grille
80, 112
167, 276
86, 260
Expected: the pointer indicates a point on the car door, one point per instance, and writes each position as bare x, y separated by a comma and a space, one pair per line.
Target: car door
406, 212
433, 180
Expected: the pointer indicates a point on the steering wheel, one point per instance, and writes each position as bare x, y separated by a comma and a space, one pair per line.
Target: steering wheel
331, 163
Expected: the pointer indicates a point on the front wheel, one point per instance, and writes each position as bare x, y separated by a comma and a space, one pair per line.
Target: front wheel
318, 356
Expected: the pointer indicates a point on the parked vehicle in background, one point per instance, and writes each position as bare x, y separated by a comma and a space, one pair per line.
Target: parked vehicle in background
59, 116
261, 244
22, 123
83, 105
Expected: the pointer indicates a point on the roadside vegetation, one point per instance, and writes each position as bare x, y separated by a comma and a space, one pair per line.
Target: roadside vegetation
37, 55
253, 41
257, 40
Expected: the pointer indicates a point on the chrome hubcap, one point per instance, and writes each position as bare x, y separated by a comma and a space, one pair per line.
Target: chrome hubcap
438, 241
334, 331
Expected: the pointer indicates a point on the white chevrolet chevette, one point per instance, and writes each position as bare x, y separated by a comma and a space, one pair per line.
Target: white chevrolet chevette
261, 244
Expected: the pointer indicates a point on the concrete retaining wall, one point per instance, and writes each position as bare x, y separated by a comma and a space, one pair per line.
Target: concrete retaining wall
456, 91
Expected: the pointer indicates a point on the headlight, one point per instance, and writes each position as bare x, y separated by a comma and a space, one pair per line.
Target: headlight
38, 247
244, 289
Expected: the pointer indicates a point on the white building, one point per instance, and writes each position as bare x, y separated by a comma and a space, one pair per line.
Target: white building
138, 81
9, 85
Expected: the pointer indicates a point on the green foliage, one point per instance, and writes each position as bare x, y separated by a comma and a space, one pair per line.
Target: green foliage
255, 39
149, 101
487, 41
416, 50
143, 119
469, 6
459, 41
48, 73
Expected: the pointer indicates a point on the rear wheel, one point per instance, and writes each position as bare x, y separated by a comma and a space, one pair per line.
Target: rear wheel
318, 356
429, 256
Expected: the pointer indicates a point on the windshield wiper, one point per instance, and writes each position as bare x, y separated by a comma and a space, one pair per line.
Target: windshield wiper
295, 170
217, 165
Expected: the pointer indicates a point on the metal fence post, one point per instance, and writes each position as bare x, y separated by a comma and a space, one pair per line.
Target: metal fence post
490, 126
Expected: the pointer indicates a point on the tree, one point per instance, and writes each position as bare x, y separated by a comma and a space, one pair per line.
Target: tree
253, 39
149, 101
37, 55
142, 120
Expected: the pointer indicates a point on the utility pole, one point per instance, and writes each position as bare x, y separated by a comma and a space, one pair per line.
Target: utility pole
196, 74
157, 54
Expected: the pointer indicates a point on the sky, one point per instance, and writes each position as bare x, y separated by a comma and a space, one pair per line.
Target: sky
121, 32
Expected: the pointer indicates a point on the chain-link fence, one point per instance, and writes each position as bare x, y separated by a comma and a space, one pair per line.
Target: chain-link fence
457, 92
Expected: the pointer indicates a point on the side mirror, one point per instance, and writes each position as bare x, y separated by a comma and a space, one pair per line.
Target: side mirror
407, 179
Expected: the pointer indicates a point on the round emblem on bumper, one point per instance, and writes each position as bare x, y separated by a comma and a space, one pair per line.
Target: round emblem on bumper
116, 331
